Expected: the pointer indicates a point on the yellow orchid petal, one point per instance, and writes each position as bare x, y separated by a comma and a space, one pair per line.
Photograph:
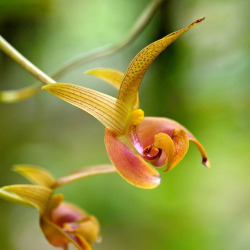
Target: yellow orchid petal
165, 142
13, 198
107, 109
175, 147
35, 174
37, 196
141, 62
16, 95
130, 165
111, 76
114, 77
181, 144
89, 228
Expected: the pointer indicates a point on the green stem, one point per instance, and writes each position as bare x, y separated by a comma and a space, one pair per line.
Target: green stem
21, 94
24, 62
17, 95
137, 28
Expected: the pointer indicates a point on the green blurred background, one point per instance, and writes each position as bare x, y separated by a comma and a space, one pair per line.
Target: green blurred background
202, 81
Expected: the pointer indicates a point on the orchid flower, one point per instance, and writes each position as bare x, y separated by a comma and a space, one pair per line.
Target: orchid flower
132, 140
61, 222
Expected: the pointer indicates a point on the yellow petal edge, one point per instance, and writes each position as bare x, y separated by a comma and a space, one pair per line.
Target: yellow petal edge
111, 76
35, 174
108, 110
37, 196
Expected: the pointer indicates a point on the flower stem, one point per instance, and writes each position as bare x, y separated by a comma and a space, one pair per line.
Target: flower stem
24, 93
82, 173
137, 28
24, 62
16, 95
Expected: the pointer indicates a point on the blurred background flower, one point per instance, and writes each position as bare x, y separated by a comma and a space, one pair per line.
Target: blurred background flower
205, 79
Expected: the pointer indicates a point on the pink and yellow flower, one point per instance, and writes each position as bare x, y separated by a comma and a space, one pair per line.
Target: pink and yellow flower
61, 222
132, 140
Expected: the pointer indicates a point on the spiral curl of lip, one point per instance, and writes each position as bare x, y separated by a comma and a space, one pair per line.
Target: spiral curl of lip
149, 157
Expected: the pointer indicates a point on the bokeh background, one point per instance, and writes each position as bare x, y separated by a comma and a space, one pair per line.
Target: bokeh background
202, 81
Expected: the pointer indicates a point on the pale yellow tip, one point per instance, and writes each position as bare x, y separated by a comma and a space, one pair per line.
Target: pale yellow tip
88, 72
45, 87
206, 163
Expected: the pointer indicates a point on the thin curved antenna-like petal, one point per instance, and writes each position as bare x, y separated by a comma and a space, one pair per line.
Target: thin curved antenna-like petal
108, 110
141, 62
130, 165
205, 160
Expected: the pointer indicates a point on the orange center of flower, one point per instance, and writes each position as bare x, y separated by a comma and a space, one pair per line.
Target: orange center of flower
151, 154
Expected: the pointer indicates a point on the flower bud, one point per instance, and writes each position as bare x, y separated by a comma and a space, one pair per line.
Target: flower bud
67, 223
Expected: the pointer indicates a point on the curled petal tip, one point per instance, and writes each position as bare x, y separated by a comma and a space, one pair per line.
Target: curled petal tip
206, 162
